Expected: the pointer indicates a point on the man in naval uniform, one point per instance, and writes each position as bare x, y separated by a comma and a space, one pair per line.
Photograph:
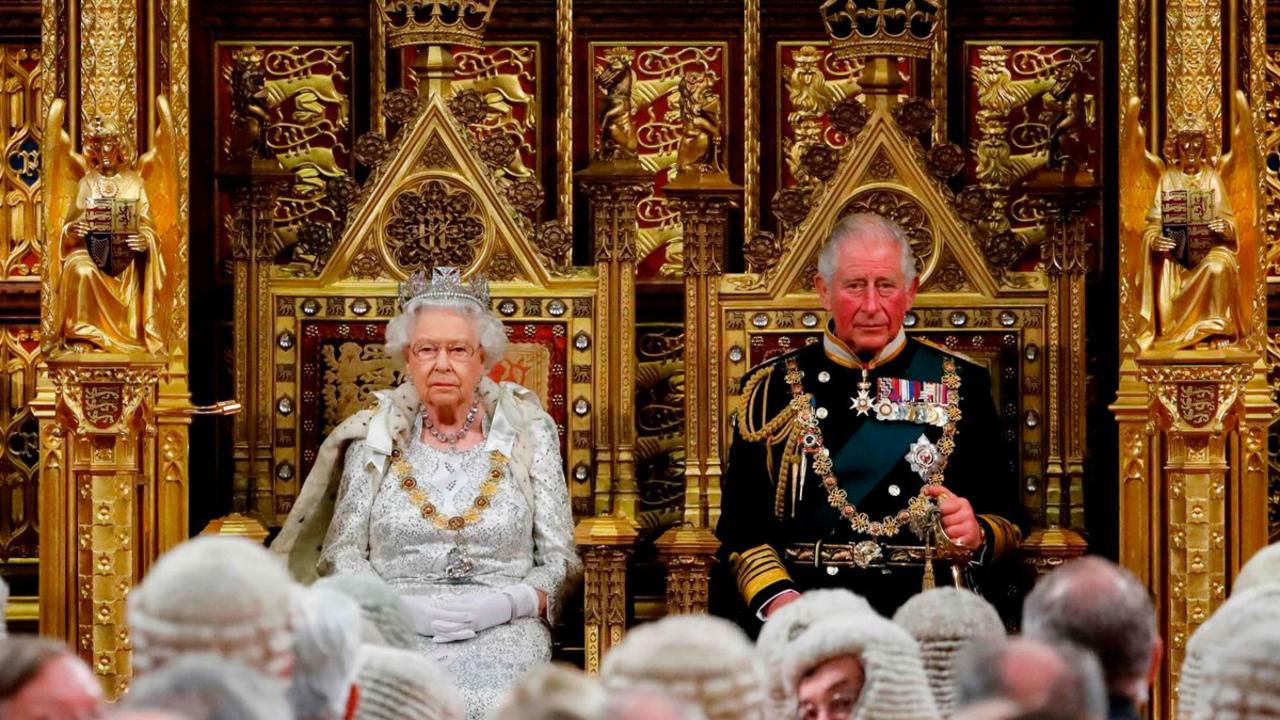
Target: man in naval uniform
840, 445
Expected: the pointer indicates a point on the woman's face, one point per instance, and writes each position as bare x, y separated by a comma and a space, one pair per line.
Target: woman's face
444, 358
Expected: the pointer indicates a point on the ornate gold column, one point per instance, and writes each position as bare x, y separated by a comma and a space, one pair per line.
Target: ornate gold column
112, 397
1192, 407
1064, 197
688, 549
605, 543
614, 189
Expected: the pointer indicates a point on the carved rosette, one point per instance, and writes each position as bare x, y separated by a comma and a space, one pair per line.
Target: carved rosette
438, 223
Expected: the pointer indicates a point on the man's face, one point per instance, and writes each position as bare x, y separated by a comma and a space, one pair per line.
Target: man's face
104, 155
830, 692
868, 296
64, 688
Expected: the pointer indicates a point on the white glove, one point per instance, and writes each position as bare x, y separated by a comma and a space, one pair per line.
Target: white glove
481, 611
427, 611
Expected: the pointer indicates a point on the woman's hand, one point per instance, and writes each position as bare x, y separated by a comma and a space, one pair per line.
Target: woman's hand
481, 611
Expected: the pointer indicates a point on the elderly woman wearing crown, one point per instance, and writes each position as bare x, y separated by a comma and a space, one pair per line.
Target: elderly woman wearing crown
451, 490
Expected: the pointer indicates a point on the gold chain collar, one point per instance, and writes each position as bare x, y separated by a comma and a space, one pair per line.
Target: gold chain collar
419, 497
811, 443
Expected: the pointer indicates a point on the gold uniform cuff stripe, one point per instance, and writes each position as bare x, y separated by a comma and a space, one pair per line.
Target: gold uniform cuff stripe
1005, 536
757, 569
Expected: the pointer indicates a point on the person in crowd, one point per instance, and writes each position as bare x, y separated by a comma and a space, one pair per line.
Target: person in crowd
554, 692
1103, 608
214, 594
1241, 614
702, 660
639, 703
787, 624
207, 687
1039, 679
943, 621
1263, 567
842, 446
386, 617
4, 603
398, 684
451, 489
41, 679
859, 666
1242, 680
326, 644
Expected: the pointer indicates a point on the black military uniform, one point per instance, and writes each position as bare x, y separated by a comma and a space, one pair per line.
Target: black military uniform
826, 457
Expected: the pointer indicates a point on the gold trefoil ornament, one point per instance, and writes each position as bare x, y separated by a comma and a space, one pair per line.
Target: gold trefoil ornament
112, 265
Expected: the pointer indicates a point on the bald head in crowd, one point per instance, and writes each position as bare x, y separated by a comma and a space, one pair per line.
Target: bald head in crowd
1047, 681
1100, 606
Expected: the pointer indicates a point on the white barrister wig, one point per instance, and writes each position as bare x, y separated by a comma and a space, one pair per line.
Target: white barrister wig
788, 623
1242, 680
1242, 613
1263, 567
214, 594
397, 684
554, 692
702, 660
380, 605
894, 687
942, 621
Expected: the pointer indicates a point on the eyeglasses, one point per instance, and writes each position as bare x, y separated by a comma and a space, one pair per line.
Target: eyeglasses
456, 352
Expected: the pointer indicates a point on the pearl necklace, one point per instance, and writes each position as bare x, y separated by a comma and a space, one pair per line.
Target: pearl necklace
451, 439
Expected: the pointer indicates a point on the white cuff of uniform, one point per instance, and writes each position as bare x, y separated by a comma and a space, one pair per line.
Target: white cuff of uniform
760, 613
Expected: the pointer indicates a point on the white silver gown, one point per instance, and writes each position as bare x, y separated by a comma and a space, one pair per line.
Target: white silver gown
383, 532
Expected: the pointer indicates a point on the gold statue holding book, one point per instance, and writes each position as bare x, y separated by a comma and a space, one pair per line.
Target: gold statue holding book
117, 243
1193, 285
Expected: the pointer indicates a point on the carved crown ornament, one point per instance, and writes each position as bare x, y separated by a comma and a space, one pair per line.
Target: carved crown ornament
436, 22
881, 28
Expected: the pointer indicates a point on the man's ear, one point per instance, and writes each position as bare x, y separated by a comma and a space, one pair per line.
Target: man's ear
824, 292
1157, 653
353, 702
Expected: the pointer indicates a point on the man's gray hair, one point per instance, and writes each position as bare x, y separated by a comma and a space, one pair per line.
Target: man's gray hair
554, 692
489, 329
861, 229
943, 620
21, 659
326, 643
207, 687
1102, 607
1075, 691
380, 604
1242, 679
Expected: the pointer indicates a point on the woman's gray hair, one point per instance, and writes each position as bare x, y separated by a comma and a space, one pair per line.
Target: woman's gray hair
861, 229
489, 329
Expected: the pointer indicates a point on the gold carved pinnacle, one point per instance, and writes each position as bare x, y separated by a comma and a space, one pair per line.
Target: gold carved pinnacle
436, 22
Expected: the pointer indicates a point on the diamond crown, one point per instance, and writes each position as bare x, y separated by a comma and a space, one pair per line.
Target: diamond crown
445, 284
